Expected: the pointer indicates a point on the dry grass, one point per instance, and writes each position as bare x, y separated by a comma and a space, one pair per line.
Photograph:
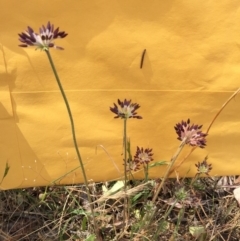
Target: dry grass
181, 210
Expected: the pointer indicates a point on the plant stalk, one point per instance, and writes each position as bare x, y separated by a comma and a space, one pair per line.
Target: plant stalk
73, 134
125, 167
173, 159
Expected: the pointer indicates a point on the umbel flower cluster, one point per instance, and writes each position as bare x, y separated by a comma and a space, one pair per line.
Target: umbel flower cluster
203, 167
125, 110
42, 40
191, 133
142, 157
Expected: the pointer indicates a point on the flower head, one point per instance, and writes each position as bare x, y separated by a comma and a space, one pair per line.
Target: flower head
126, 109
133, 165
204, 167
143, 156
181, 194
191, 133
42, 40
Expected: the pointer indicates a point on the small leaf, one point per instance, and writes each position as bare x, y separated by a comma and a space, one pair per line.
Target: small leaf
137, 196
197, 231
84, 223
159, 163
79, 212
91, 237
117, 186
7, 167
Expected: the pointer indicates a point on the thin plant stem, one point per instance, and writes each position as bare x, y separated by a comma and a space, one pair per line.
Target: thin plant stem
173, 159
169, 210
180, 217
223, 106
161, 224
125, 152
181, 162
73, 134
146, 169
194, 179
64, 175
125, 167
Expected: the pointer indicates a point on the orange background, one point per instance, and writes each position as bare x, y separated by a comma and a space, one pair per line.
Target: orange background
191, 66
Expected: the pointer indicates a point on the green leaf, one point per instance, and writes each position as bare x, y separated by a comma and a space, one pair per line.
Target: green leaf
84, 224
159, 163
91, 237
197, 231
79, 212
137, 196
117, 186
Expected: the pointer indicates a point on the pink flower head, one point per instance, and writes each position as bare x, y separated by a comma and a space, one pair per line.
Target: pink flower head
143, 156
125, 110
204, 167
191, 133
42, 40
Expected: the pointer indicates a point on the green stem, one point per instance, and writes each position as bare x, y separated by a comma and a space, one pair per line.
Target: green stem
125, 154
162, 221
195, 179
125, 169
173, 159
146, 169
73, 131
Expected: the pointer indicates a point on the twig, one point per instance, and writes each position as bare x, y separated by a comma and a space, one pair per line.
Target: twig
173, 159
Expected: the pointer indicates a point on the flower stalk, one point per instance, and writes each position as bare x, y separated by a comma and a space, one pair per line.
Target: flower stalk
73, 133
173, 159
125, 153
69, 113
44, 40
125, 212
125, 111
190, 134
146, 170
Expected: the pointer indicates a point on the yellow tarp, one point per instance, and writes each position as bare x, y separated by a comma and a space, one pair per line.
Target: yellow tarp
191, 67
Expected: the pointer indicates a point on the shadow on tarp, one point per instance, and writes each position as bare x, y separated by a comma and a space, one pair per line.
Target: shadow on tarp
25, 168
